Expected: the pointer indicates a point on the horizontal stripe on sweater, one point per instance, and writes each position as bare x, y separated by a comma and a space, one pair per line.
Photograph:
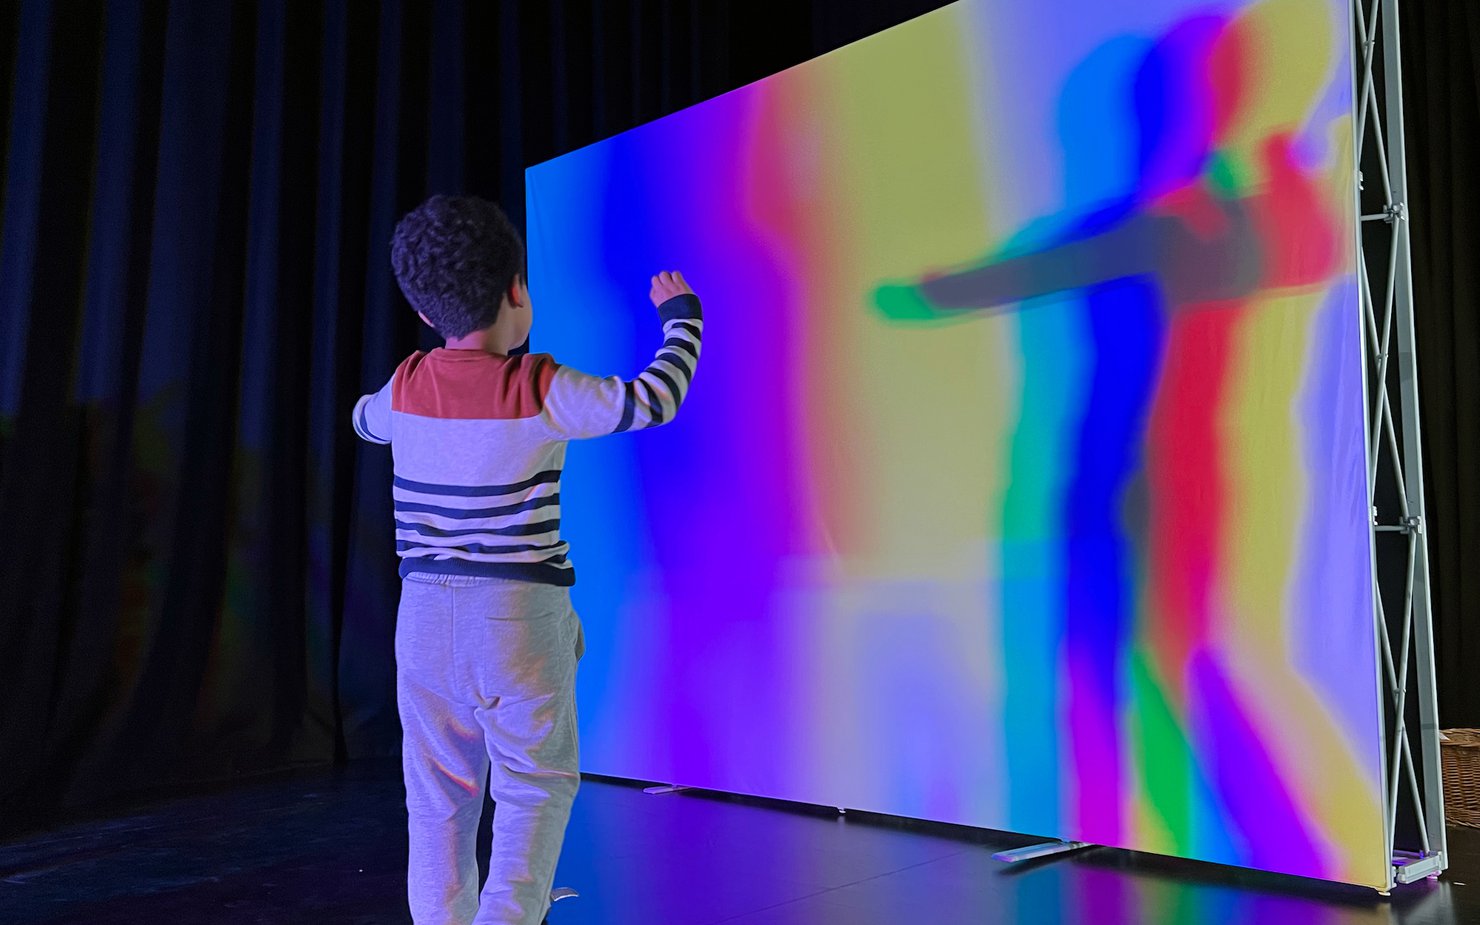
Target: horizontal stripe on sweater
478, 549
477, 491
474, 513
534, 529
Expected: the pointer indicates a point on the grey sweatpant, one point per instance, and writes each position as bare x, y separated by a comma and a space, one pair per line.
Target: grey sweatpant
485, 682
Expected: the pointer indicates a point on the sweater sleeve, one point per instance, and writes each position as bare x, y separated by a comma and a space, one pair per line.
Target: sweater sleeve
372, 415
579, 405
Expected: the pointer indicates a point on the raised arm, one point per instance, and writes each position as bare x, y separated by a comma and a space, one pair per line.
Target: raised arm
579, 405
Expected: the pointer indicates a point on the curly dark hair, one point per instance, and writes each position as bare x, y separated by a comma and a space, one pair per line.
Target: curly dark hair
455, 258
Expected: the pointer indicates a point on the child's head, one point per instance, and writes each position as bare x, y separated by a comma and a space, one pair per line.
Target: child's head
460, 261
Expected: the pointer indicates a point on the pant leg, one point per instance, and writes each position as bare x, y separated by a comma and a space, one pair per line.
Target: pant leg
443, 757
526, 663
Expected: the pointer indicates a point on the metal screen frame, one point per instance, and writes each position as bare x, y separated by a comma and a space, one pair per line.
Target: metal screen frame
1406, 672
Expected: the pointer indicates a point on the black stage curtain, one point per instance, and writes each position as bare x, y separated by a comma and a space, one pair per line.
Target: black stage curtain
1441, 101
197, 577
198, 580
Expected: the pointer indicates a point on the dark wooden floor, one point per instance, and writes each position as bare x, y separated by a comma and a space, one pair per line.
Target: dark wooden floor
330, 848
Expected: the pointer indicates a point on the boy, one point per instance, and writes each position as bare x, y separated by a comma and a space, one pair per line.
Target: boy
486, 640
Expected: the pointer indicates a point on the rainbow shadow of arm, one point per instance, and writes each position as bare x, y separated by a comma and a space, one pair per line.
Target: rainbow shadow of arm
1191, 265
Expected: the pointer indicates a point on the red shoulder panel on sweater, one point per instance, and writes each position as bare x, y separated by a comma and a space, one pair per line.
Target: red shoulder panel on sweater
472, 385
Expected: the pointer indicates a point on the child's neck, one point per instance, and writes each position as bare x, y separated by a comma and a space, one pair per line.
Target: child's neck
505, 334
486, 339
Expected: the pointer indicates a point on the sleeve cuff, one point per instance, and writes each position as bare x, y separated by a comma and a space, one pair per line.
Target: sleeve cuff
362, 425
681, 308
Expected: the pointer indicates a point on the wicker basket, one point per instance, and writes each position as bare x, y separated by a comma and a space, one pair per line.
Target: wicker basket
1460, 749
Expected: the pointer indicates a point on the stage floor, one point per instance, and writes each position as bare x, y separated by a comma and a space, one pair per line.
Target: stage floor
329, 848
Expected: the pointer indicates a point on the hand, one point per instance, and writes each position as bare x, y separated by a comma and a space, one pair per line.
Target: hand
666, 285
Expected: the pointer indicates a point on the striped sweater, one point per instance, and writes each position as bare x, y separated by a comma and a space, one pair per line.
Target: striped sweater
479, 444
